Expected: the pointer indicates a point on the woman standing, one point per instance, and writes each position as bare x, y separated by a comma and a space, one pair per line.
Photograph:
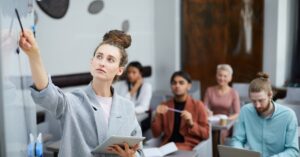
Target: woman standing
89, 115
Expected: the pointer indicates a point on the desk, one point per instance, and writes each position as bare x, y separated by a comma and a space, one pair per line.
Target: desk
216, 126
216, 131
54, 147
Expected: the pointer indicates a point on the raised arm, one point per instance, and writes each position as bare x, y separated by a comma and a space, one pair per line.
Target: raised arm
44, 93
29, 45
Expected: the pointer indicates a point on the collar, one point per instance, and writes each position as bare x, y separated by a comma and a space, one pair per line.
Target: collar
274, 112
93, 97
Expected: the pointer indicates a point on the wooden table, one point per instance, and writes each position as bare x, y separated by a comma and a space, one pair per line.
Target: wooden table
216, 133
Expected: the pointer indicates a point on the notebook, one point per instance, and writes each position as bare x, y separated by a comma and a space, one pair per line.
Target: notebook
160, 151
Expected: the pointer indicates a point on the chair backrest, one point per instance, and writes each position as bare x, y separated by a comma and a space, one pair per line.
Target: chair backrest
294, 107
204, 148
292, 94
242, 89
157, 98
195, 91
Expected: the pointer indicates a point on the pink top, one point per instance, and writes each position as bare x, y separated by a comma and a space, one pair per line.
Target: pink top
222, 104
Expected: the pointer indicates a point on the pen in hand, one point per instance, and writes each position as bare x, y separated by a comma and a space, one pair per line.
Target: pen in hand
174, 110
18, 16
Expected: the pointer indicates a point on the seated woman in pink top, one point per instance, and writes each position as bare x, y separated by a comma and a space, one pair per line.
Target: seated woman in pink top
221, 98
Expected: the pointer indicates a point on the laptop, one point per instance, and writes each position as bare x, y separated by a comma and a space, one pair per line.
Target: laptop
227, 151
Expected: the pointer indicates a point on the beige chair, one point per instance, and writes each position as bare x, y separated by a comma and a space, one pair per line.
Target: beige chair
242, 89
195, 91
292, 94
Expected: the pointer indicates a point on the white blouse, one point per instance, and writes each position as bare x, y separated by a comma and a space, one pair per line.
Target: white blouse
142, 103
105, 103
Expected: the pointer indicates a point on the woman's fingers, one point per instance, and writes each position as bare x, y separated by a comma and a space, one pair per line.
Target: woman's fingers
28, 43
24, 44
124, 152
118, 148
23, 41
29, 37
126, 147
111, 149
135, 147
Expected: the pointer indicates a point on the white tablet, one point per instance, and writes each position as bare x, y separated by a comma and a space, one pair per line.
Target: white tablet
119, 140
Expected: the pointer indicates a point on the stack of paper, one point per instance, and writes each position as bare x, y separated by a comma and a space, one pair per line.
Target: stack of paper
160, 151
216, 118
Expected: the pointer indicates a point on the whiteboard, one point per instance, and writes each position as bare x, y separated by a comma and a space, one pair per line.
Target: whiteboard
17, 109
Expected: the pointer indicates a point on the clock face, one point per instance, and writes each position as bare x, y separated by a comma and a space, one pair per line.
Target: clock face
54, 8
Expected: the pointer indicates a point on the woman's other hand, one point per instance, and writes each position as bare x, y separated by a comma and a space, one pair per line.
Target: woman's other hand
124, 152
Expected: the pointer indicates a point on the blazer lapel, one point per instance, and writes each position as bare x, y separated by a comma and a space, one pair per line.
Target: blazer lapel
188, 107
170, 117
101, 126
115, 119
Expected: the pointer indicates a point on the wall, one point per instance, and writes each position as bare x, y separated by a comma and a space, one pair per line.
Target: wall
155, 28
278, 39
67, 44
167, 41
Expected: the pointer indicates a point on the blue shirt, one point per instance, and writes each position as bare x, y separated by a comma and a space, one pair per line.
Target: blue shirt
276, 135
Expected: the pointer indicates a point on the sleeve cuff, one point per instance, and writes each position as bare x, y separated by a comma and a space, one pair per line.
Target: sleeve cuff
43, 92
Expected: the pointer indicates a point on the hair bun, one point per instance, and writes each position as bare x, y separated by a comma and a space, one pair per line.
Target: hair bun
118, 37
262, 75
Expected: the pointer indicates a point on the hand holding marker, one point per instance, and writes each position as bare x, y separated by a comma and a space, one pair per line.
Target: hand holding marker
174, 110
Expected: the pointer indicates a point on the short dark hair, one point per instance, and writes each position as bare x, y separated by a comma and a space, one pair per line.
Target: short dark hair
183, 74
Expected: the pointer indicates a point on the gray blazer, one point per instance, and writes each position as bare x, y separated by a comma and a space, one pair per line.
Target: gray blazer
82, 121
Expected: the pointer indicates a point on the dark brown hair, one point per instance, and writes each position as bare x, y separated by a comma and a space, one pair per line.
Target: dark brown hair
118, 39
182, 74
260, 83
